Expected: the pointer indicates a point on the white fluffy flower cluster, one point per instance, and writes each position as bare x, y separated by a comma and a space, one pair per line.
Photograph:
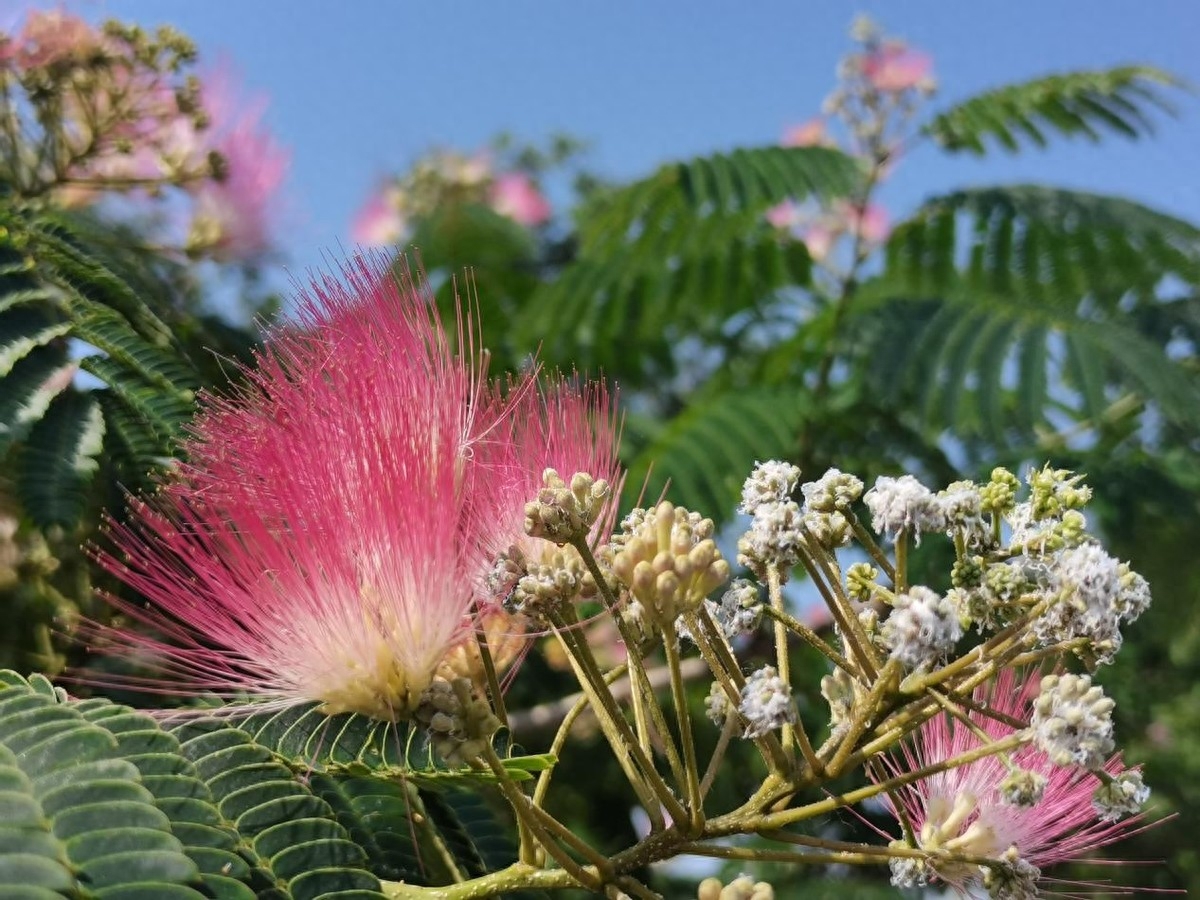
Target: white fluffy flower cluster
1095, 595
1123, 796
1016, 879
961, 504
904, 504
739, 610
766, 703
1072, 721
1022, 787
771, 482
774, 538
826, 503
842, 692
834, 491
908, 871
922, 628
716, 704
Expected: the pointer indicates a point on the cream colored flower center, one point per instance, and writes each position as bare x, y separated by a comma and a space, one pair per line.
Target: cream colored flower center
946, 830
369, 677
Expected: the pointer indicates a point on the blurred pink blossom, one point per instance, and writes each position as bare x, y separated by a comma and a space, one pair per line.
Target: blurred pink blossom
379, 222
893, 67
50, 36
784, 216
871, 223
233, 213
819, 240
514, 194
807, 134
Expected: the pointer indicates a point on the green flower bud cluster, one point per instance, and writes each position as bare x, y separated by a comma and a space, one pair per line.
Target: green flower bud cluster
460, 725
999, 495
566, 512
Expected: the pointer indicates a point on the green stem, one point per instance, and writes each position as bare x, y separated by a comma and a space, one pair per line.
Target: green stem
527, 813
564, 729
867, 540
810, 637
489, 669
783, 662
900, 581
686, 738
863, 716
847, 622
649, 785
728, 730
639, 684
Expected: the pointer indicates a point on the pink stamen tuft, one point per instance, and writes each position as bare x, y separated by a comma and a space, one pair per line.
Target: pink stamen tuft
963, 806
324, 541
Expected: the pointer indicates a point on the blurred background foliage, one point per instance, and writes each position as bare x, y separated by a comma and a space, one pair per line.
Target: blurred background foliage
750, 304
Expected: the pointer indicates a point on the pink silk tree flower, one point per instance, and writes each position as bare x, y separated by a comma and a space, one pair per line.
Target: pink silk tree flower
893, 67
985, 809
315, 545
807, 134
514, 195
563, 424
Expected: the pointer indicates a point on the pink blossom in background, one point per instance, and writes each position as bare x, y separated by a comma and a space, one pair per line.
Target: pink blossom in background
893, 67
514, 194
964, 804
872, 222
819, 240
812, 133
232, 216
51, 36
784, 216
563, 424
379, 222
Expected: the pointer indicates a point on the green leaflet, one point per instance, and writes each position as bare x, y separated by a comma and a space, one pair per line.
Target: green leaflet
679, 252
60, 459
1121, 100
355, 745
76, 814
54, 288
87, 785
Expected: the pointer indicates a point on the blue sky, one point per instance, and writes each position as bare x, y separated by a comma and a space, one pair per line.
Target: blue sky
361, 87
